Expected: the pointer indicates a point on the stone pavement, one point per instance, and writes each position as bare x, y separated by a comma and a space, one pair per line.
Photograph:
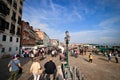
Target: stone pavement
100, 69
26, 63
27, 76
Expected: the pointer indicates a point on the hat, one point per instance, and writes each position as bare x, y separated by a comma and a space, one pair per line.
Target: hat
16, 55
35, 58
50, 59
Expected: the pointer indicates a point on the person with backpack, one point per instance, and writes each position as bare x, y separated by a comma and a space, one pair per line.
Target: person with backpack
50, 69
13, 66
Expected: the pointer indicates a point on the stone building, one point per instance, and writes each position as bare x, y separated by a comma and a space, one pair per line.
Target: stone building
44, 39
28, 36
54, 42
10, 25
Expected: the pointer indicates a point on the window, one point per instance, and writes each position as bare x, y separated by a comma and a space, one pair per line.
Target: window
10, 49
16, 48
20, 11
21, 2
18, 31
15, 6
19, 20
10, 39
12, 29
14, 16
4, 38
6, 25
3, 8
17, 39
9, 1
3, 50
2, 24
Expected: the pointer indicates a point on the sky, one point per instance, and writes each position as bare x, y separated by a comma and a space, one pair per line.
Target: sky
88, 21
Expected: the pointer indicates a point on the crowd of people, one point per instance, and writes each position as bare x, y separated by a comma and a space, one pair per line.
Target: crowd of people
36, 55
115, 54
40, 52
50, 67
49, 70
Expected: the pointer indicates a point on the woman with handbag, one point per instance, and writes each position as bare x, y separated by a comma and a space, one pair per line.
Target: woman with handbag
14, 65
35, 69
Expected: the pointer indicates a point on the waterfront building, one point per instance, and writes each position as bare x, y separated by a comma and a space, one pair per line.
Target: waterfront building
44, 40
10, 26
28, 36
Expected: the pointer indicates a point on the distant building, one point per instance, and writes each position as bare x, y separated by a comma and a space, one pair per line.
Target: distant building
54, 42
28, 35
10, 25
44, 39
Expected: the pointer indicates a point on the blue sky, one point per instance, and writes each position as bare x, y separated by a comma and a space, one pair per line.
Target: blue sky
88, 21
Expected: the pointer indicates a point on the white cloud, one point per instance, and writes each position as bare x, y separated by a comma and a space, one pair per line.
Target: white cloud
110, 23
52, 6
96, 36
77, 15
108, 33
47, 20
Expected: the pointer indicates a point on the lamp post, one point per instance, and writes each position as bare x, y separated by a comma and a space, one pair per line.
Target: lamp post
67, 39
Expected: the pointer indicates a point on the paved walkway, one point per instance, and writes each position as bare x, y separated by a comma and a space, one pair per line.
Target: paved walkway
100, 69
27, 76
26, 63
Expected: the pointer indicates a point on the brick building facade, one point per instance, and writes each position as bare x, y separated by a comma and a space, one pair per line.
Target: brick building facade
28, 35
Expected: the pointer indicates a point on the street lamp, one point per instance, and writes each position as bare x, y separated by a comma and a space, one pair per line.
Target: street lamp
67, 39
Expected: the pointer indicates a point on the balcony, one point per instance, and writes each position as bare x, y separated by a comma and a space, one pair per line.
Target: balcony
27, 30
9, 1
21, 2
2, 15
19, 20
20, 11
4, 9
12, 31
2, 25
18, 32
13, 18
15, 6
2, 29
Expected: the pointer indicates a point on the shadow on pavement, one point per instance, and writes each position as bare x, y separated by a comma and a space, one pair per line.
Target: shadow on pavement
103, 59
44, 76
86, 60
4, 71
31, 77
106, 60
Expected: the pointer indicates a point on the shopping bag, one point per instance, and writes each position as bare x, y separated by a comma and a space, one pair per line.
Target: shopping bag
40, 71
20, 70
10, 68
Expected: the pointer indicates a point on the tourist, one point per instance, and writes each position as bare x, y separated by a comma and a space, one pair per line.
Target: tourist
109, 56
50, 69
116, 56
14, 65
90, 57
34, 69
